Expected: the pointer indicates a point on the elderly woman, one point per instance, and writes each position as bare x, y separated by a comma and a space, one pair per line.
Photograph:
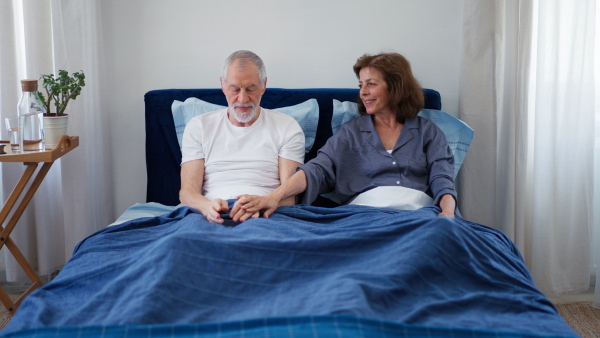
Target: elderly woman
388, 153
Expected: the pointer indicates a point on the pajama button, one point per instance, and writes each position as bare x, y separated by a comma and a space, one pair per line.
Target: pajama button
394, 162
397, 182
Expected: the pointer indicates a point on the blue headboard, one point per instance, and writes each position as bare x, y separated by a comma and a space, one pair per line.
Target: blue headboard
163, 155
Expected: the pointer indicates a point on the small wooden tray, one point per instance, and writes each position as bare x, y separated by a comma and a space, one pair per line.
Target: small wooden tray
64, 145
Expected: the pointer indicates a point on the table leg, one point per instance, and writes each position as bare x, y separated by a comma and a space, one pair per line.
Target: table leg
14, 195
5, 232
26, 199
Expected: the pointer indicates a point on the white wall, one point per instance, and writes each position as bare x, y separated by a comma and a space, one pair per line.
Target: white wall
158, 44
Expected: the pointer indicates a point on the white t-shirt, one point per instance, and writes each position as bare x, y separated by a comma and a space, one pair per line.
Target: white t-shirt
241, 160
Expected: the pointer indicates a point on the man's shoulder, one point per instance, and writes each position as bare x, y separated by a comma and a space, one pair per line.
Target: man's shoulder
206, 117
212, 114
278, 117
272, 113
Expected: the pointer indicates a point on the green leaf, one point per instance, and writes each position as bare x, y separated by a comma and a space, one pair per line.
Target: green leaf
61, 89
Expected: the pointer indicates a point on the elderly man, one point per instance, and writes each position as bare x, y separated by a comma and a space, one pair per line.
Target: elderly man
243, 149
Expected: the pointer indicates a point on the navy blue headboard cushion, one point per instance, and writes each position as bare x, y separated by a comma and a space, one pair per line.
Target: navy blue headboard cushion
163, 155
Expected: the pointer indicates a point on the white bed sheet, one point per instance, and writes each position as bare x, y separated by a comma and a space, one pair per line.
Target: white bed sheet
400, 198
140, 210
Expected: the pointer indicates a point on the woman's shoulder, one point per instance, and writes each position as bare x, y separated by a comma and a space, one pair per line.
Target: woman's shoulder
349, 132
356, 124
422, 121
428, 130
425, 124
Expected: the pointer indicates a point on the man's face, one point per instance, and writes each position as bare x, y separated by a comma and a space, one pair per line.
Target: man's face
243, 91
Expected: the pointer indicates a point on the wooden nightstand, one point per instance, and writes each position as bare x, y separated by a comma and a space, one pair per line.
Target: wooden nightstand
31, 161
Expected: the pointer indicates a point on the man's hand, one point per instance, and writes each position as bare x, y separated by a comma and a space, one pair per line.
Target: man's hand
214, 210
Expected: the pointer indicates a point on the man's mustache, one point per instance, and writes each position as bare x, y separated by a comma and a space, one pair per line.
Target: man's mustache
243, 105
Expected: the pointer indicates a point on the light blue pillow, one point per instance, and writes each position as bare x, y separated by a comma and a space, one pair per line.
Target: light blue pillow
342, 113
306, 113
183, 112
458, 134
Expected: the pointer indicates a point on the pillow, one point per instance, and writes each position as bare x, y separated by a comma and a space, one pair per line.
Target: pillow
458, 134
306, 113
342, 113
183, 112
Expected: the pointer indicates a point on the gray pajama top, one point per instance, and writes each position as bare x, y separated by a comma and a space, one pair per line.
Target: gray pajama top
354, 160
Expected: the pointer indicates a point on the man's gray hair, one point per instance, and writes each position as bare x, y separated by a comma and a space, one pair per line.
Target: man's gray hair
250, 56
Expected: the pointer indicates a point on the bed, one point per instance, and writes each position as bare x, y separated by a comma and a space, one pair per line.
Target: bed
321, 270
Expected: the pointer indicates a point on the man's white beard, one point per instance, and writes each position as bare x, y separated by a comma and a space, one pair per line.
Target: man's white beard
243, 117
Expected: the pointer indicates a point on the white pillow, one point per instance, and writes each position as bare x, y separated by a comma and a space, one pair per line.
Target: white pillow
306, 113
458, 134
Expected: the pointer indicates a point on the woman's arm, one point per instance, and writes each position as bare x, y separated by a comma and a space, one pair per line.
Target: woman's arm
448, 205
286, 171
441, 171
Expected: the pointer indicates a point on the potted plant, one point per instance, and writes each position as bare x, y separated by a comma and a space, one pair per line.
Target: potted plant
59, 91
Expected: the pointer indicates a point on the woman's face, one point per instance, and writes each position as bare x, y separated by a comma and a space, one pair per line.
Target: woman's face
374, 91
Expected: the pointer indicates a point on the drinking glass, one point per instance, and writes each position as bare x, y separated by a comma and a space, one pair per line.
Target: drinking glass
12, 127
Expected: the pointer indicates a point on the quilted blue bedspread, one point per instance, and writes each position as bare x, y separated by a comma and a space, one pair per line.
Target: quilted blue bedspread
406, 268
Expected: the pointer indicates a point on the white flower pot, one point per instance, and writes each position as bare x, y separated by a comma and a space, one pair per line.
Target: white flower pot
54, 128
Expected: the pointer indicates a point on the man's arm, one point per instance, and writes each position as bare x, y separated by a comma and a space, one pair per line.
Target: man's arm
286, 170
192, 178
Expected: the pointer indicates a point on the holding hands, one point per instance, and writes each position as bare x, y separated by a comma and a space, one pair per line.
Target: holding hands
215, 208
251, 205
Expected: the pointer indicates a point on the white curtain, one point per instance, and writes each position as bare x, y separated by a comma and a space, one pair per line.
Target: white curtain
528, 90
41, 37
596, 232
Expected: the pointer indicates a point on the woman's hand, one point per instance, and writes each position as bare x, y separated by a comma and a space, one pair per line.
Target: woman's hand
448, 204
251, 205
238, 213
446, 214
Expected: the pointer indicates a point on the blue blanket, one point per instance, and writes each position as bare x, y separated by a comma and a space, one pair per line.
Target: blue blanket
404, 267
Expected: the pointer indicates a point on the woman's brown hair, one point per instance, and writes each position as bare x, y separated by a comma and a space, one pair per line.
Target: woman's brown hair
406, 95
